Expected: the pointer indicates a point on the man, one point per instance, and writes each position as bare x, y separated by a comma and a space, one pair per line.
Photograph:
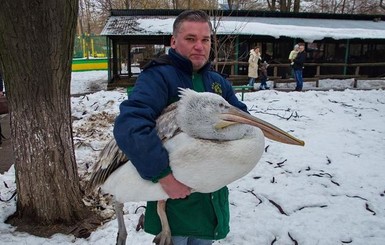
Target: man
195, 218
298, 67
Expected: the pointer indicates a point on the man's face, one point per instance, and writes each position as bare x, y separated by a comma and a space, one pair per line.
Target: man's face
301, 48
193, 41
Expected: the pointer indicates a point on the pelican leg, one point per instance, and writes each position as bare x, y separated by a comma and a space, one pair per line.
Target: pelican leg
122, 232
164, 237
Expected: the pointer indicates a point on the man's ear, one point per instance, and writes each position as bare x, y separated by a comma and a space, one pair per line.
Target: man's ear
172, 42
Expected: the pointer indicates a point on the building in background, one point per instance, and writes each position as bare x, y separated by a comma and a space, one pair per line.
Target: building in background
336, 45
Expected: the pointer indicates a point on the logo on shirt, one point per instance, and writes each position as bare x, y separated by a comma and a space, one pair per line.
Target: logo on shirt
217, 88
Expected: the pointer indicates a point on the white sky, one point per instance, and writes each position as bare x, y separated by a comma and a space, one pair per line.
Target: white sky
332, 190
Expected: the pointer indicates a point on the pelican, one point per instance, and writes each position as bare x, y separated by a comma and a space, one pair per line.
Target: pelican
201, 131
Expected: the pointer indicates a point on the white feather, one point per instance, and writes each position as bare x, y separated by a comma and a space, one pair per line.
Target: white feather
202, 156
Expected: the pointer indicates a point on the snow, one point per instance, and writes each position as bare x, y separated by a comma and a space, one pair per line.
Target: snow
331, 191
307, 29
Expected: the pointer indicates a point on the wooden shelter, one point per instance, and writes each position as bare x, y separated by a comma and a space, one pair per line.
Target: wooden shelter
336, 45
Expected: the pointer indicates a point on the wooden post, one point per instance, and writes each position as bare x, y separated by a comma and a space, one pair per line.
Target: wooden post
108, 42
346, 56
114, 58
92, 48
129, 61
236, 67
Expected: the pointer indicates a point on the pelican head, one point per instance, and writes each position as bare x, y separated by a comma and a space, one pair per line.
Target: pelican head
209, 116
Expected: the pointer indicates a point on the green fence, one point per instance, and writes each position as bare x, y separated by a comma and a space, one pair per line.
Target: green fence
88, 46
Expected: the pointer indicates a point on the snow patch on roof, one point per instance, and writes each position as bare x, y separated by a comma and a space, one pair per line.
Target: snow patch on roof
307, 29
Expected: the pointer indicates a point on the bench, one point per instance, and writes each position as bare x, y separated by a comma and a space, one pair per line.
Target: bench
242, 89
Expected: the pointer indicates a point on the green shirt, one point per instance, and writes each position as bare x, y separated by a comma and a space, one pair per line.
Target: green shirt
198, 82
200, 215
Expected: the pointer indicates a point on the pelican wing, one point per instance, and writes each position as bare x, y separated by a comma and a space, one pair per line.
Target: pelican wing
111, 157
166, 124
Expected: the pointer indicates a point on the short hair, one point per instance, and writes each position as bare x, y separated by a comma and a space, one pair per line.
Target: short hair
296, 46
191, 15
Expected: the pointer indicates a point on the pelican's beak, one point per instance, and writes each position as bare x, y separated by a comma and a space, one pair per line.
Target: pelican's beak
235, 115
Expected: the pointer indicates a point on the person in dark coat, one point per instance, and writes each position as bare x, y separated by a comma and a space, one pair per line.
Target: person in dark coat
1, 94
298, 66
194, 218
1, 84
263, 76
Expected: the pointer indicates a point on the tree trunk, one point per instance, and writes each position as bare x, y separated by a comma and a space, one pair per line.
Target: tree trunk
230, 4
216, 21
283, 6
296, 6
36, 49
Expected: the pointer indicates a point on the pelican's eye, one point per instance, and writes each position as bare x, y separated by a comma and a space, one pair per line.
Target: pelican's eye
223, 106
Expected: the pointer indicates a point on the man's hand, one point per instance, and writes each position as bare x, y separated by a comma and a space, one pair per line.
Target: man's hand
174, 188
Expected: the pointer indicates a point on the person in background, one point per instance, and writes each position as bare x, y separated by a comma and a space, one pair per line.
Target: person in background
1, 94
293, 54
263, 76
1, 83
254, 58
194, 218
298, 65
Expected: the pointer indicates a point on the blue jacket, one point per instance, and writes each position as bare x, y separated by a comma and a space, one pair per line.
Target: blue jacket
156, 88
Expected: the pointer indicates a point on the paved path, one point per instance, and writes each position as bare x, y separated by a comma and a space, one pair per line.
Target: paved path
6, 150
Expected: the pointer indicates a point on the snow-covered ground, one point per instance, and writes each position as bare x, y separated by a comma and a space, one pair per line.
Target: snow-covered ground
331, 191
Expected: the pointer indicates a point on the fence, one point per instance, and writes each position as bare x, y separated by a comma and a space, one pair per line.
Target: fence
314, 71
87, 46
84, 64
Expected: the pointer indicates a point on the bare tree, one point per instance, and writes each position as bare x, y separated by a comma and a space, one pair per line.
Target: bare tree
297, 6
346, 7
36, 48
284, 5
224, 45
216, 21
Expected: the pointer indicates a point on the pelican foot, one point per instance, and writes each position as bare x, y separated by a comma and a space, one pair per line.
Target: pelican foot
121, 240
163, 238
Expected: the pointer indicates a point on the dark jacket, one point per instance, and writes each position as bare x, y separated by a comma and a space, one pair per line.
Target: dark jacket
299, 61
199, 215
1, 82
156, 88
263, 69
